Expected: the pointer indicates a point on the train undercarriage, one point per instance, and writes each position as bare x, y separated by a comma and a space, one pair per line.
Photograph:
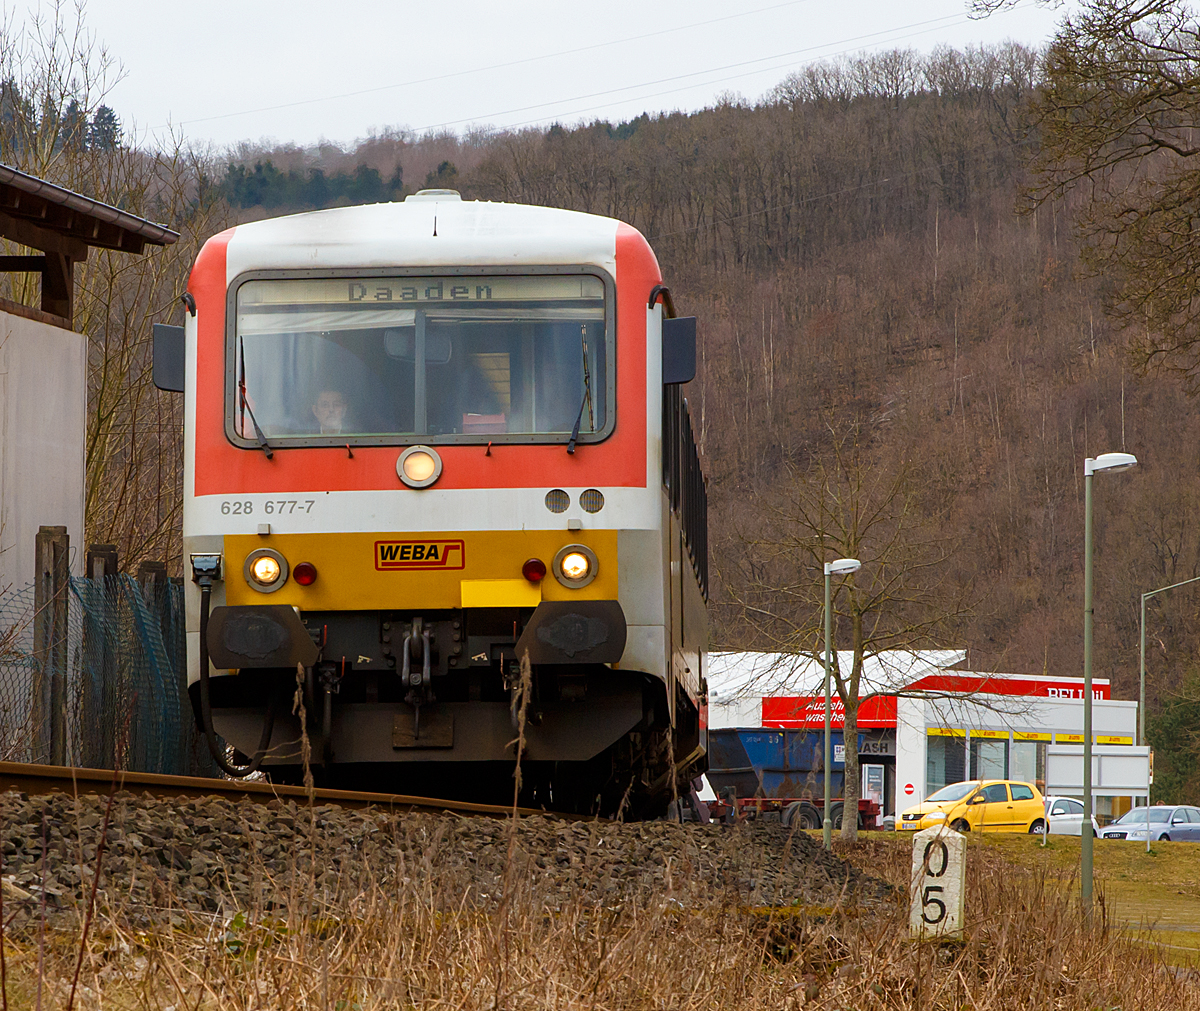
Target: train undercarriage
437, 704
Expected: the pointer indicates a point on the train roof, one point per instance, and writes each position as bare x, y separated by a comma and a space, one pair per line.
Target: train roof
431, 228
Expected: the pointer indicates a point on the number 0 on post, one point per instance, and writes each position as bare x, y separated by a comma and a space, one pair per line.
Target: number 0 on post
938, 883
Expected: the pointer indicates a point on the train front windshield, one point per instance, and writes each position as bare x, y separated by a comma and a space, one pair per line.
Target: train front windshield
437, 359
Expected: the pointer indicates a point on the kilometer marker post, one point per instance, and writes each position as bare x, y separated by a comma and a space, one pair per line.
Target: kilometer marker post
939, 883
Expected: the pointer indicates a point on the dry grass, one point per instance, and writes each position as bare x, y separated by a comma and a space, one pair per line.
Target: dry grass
1154, 895
419, 940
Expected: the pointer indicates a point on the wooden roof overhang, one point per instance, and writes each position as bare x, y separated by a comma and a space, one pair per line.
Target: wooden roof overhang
64, 225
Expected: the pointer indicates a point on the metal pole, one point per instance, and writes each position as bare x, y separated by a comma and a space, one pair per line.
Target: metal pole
1085, 885
1141, 740
1142, 675
827, 824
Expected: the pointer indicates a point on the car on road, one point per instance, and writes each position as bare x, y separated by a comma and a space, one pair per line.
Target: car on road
989, 805
1171, 823
1064, 816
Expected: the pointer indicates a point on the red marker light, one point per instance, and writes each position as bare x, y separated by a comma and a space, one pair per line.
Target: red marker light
534, 570
305, 573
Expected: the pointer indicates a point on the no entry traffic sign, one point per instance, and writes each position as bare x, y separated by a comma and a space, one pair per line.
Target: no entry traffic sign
908, 789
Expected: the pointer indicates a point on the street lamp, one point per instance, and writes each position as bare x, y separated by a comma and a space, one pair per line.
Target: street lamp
1142, 676
1111, 462
843, 566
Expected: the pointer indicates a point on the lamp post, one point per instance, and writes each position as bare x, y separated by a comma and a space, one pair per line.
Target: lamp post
843, 566
1142, 666
1104, 462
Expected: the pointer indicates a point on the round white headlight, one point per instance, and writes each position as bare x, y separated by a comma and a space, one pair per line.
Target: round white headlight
575, 565
419, 466
266, 570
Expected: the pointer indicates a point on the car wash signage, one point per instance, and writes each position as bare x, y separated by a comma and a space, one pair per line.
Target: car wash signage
878, 712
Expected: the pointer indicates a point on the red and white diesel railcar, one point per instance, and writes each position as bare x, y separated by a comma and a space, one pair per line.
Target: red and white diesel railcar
423, 441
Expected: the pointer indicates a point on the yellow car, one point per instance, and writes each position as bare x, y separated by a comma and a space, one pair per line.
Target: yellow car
989, 805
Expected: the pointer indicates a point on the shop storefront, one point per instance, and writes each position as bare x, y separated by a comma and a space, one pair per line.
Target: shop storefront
922, 725
941, 740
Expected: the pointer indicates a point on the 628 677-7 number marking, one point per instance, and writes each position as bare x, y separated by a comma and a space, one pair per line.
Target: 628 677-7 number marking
272, 507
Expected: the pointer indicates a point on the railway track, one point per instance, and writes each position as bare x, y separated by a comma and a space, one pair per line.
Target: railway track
43, 779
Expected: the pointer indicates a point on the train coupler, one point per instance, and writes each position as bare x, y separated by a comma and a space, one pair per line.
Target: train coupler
417, 644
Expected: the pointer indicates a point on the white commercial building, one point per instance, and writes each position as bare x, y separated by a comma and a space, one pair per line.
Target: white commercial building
922, 724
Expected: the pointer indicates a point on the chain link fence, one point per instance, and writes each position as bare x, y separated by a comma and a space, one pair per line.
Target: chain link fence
98, 679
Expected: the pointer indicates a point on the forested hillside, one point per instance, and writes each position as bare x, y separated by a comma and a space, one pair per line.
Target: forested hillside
853, 248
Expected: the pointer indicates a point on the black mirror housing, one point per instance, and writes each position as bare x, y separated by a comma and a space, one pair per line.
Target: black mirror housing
168, 357
678, 350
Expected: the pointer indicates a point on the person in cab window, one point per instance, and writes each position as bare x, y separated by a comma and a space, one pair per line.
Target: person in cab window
329, 409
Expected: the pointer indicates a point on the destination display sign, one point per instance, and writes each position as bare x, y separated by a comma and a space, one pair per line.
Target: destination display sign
421, 290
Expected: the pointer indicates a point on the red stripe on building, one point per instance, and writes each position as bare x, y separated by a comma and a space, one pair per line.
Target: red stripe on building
878, 712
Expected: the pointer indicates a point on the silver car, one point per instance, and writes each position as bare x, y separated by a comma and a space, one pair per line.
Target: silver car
1064, 816
1161, 821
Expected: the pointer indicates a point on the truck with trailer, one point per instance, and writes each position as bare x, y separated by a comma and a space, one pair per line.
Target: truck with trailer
754, 771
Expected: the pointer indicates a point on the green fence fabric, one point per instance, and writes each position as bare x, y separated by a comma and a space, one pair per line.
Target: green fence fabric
121, 665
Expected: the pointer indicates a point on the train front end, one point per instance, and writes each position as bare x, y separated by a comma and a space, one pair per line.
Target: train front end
424, 445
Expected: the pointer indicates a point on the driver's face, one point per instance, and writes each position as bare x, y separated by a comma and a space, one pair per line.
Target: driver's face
330, 410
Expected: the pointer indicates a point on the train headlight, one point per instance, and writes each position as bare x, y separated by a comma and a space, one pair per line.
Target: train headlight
266, 570
575, 565
419, 466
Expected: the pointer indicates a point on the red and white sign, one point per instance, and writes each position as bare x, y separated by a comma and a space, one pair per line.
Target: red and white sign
908, 789
878, 712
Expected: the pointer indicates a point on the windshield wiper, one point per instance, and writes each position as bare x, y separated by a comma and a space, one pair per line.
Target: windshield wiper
258, 432
587, 394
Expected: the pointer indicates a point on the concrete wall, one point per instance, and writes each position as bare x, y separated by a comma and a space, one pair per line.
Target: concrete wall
43, 424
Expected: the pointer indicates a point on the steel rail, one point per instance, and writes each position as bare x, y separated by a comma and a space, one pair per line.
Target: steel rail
43, 779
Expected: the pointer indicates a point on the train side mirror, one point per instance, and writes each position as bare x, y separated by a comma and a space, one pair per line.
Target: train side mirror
678, 350
168, 357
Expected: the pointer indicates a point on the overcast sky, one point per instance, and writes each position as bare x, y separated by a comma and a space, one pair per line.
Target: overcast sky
302, 71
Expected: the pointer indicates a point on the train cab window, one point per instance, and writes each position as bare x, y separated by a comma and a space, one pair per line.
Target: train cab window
436, 359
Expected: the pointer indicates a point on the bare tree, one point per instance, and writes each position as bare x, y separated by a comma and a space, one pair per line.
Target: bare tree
856, 503
54, 79
1119, 134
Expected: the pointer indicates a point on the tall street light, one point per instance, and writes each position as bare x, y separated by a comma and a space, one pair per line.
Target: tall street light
1111, 462
843, 566
1142, 676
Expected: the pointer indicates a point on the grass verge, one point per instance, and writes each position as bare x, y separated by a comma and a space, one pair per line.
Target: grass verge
375, 939
1152, 897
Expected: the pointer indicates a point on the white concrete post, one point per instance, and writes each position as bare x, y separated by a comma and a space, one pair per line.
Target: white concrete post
939, 880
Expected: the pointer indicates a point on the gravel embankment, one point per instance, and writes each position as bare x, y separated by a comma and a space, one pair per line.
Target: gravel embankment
212, 855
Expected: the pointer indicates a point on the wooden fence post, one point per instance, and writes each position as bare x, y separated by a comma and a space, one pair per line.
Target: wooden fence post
100, 692
101, 561
50, 644
152, 579
155, 587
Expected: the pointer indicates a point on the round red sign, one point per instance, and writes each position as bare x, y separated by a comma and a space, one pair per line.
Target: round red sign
908, 789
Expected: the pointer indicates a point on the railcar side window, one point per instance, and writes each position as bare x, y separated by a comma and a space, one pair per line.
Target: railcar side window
432, 358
